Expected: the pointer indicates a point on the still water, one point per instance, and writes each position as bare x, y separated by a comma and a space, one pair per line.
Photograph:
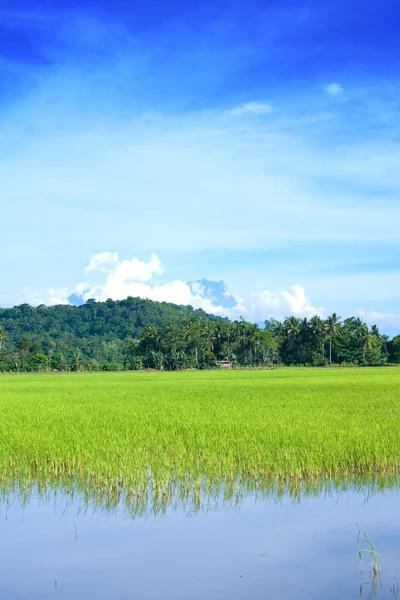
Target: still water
259, 550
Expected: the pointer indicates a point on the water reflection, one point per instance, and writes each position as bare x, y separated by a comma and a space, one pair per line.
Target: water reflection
192, 495
238, 544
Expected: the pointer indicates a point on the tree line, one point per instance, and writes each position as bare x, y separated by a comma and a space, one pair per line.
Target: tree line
137, 334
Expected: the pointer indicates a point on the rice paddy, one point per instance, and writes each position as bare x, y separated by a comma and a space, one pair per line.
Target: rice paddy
129, 432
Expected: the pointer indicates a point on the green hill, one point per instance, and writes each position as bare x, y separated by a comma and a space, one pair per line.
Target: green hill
97, 329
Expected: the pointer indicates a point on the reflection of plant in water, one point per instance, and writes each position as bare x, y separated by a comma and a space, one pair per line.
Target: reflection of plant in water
373, 560
394, 590
190, 494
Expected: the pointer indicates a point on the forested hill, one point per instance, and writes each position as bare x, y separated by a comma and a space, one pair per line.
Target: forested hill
140, 334
108, 320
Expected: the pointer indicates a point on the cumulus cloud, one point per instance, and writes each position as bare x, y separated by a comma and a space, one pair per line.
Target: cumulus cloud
334, 89
120, 278
295, 302
128, 271
249, 108
102, 261
215, 291
133, 277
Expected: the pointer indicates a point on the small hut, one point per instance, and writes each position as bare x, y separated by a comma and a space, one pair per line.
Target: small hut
224, 364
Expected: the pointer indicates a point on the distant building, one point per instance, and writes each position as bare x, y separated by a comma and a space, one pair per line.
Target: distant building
224, 364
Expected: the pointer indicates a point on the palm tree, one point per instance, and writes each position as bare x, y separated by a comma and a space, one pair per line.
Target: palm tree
358, 323
332, 328
209, 335
155, 335
279, 330
304, 323
191, 333
173, 337
292, 327
375, 331
244, 334
223, 332
317, 329
367, 340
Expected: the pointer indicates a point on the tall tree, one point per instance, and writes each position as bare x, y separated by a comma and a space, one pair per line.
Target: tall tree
292, 327
3, 337
191, 331
318, 333
332, 328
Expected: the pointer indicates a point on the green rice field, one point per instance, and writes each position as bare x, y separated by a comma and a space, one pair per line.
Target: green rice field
122, 430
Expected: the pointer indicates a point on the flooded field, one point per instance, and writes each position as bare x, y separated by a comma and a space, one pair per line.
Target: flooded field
58, 547
192, 486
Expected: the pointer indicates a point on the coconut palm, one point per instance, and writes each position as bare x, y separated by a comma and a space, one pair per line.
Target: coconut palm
191, 333
332, 328
223, 332
278, 329
292, 327
375, 331
317, 329
367, 340
208, 333
155, 335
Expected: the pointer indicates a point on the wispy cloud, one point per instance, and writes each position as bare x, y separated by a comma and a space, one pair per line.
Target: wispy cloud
388, 323
334, 89
379, 316
102, 145
250, 108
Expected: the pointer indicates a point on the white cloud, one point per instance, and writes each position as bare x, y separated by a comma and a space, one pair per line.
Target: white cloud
334, 89
128, 271
249, 108
295, 302
57, 297
136, 278
198, 288
388, 323
177, 292
102, 261
379, 316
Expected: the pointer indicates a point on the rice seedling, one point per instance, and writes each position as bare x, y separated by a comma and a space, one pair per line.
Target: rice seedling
369, 555
157, 436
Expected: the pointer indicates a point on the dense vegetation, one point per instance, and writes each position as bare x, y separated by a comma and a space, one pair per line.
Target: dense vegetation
109, 431
139, 334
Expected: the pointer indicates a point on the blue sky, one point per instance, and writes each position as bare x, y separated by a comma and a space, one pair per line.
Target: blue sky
250, 142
